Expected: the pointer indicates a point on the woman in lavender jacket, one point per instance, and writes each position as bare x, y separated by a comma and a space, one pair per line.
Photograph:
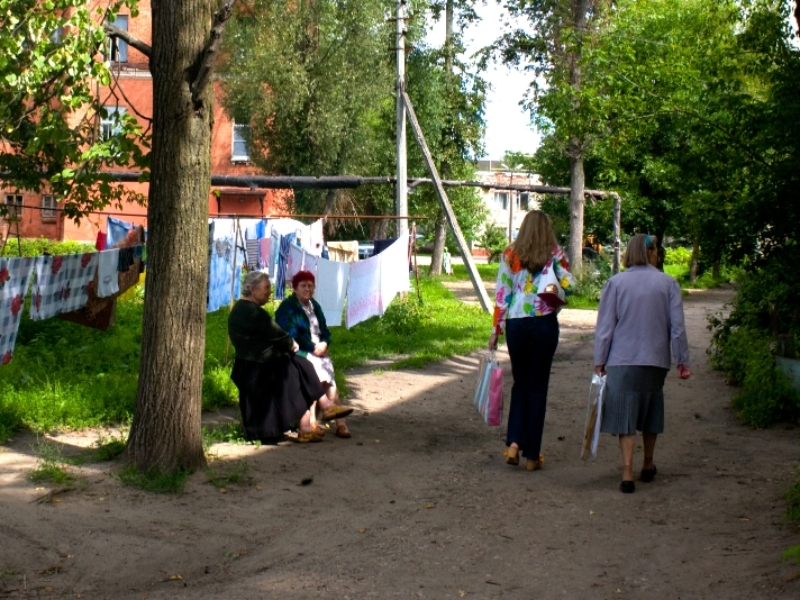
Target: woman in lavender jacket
639, 321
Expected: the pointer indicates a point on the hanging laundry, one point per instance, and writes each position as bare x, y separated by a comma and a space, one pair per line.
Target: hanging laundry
314, 238
264, 245
14, 276
310, 262
224, 267
286, 226
117, 230
48, 287
81, 271
280, 274
363, 291
107, 273
394, 271
331, 289
296, 262
381, 245
100, 244
125, 258
251, 246
343, 251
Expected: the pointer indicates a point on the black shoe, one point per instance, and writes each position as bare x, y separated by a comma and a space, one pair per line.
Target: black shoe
647, 475
627, 487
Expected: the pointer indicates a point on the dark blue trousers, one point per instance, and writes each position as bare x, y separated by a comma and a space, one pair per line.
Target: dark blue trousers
532, 342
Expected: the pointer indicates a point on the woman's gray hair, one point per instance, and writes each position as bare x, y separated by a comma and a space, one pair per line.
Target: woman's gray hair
252, 280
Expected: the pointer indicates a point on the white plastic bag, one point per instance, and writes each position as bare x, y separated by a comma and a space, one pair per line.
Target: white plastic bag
594, 416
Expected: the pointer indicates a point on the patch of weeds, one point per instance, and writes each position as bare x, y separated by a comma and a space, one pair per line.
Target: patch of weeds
104, 449
51, 466
154, 480
227, 433
235, 473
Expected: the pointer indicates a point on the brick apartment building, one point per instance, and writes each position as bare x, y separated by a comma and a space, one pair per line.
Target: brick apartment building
131, 91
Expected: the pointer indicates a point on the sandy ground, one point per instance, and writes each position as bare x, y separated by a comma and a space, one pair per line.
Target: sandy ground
420, 504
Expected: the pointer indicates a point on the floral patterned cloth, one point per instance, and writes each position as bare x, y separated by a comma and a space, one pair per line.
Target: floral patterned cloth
516, 288
14, 276
60, 283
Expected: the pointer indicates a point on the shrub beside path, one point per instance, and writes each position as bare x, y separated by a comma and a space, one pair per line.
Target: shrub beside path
419, 504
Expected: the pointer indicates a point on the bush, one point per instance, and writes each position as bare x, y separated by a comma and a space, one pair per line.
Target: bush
494, 241
743, 344
679, 256
37, 247
591, 278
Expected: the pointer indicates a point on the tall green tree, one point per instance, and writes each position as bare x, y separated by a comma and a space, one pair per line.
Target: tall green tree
310, 78
50, 111
552, 40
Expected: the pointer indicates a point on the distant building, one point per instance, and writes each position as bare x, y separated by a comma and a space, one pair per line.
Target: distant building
37, 215
507, 208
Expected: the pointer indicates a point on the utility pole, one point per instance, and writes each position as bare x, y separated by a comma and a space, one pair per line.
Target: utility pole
401, 187
511, 201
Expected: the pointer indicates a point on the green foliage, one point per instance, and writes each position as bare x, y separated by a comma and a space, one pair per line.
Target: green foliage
679, 256
793, 508
50, 467
49, 105
228, 433
154, 480
494, 240
40, 246
589, 282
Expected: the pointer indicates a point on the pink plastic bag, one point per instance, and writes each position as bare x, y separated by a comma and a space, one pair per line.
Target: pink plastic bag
495, 413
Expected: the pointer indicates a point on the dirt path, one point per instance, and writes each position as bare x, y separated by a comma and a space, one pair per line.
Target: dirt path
419, 504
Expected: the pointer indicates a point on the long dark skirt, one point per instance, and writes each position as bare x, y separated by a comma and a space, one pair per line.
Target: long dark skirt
275, 394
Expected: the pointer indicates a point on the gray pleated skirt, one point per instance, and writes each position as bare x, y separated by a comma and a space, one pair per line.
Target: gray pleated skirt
634, 400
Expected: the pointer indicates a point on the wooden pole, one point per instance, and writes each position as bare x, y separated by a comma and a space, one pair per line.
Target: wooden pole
617, 213
466, 255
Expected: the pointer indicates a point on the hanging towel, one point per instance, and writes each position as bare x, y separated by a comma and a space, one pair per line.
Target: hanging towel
310, 262
343, 251
263, 253
116, 231
47, 295
331, 289
363, 291
15, 273
316, 238
252, 253
125, 258
283, 261
295, 263
394, 271
274, 253
107, 273
100, 244
223, 255
81, 269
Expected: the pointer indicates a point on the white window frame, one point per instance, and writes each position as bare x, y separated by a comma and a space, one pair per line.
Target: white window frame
237, 139
14, 205
109, 125
118, 49
49, 207
501, 200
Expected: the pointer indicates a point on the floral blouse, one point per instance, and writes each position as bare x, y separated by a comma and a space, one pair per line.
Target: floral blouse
516, 288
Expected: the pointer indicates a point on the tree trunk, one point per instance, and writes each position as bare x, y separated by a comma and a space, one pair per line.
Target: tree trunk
576, 180
440, 227
695, 257
576, 202
439, 237
165, 434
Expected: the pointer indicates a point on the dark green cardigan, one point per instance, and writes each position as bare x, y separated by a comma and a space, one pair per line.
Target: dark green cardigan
254, 335
291, 317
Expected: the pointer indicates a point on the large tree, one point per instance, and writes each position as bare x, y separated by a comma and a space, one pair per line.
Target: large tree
165, 434
552, 40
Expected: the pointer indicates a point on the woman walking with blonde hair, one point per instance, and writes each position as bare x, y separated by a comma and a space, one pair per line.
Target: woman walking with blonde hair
529, 322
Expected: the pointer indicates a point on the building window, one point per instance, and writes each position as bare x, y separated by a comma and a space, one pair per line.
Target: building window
13, 205
524, 201
48, 207
240, 151
501, 200
109, 124
118, 50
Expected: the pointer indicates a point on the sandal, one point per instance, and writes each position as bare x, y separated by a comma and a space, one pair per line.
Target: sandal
343, 432
336, 412
303, 437
512, 456
318, 430
534, 465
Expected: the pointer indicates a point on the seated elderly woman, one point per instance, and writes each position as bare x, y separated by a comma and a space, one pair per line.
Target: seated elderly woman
276, 386
302, 317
